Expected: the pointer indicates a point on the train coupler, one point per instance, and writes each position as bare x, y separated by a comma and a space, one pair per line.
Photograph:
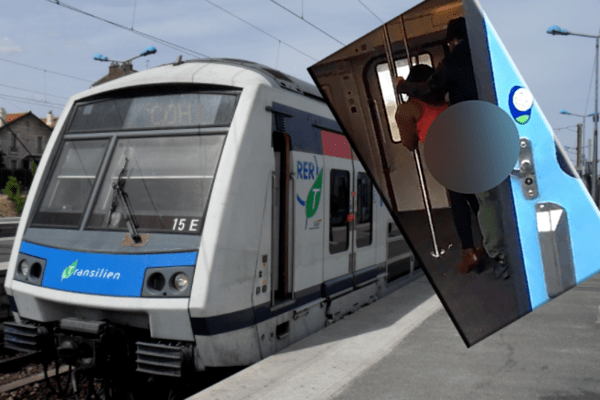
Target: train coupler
89, 345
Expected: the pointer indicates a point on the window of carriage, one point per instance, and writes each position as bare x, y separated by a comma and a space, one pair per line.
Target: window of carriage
387, 89
363, 225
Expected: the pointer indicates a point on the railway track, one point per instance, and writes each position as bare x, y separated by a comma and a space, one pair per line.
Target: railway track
17, 362
31, 380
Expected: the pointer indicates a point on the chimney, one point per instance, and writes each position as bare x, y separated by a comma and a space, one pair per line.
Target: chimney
116, 71
49, 118
127, 68
3, 116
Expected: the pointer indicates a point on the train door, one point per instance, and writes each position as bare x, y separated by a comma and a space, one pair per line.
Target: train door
364, 251
338, 182
536, 225
281, 273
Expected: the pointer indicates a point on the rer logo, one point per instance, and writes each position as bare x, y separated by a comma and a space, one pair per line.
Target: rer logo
308, 170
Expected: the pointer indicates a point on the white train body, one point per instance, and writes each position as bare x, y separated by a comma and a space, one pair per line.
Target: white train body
208, 200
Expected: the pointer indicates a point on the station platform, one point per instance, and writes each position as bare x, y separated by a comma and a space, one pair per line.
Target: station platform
405, 346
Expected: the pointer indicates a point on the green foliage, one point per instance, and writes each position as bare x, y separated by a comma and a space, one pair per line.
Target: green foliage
13, 190
33, 167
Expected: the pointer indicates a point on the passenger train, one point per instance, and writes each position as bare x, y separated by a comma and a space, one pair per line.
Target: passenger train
200, 214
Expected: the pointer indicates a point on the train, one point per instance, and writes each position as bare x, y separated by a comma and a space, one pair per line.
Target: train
201, 214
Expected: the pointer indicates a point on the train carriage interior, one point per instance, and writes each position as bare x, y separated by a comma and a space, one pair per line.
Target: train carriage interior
366, 111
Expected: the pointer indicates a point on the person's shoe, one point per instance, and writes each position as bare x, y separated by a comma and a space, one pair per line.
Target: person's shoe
469, 261
481, 256
501, 269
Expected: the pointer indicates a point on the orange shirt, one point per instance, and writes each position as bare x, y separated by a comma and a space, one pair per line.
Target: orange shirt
427, 116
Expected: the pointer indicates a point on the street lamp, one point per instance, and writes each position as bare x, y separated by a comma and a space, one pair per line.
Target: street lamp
556, 30
147, 51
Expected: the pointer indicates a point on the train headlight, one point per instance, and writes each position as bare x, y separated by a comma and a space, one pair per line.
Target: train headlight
24, 268
181, 281
164, 282
30, 269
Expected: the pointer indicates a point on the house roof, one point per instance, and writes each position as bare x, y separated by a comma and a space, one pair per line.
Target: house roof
10, 118
13, 117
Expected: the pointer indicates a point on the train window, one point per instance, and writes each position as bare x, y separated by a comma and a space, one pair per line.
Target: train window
387, 89
364, 211
339, 208
67, 194
165, 111
166, 180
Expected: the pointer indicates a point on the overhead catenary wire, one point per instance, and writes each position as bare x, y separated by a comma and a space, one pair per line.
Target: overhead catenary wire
6, 99
257, 28
139, 33
133, 18
278, 48
565, 127
10, 102
368, 9
42, 102
45, 70
33, 91
25, 102
311, 24
28, 105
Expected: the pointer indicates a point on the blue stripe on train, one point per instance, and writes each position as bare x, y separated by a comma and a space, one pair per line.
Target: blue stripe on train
103, 274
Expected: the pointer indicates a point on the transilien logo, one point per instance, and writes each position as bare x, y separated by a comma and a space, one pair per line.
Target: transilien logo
67, 272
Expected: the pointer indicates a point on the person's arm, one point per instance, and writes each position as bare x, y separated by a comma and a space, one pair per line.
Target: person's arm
436, 82
407, 116
412, 88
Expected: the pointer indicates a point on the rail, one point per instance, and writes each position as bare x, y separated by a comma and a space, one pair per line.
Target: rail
8, 226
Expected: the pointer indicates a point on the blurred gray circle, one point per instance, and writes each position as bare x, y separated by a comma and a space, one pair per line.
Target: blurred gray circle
471, 147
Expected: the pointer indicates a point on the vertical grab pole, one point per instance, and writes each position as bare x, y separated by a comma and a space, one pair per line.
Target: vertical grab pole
393, 73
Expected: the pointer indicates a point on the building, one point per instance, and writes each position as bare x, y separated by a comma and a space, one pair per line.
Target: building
32, 131
115, 70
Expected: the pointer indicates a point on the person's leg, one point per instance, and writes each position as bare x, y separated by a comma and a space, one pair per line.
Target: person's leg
473, 203
461, 214
492, 230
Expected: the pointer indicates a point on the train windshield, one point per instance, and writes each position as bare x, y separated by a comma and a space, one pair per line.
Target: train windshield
146, 159
165, 180
71, 184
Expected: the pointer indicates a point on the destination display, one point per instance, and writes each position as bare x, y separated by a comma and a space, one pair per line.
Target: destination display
166, 111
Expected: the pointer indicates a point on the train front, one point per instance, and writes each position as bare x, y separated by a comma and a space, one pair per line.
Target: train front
105, 256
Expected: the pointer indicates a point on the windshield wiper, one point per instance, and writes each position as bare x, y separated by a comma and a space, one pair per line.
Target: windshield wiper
119, 194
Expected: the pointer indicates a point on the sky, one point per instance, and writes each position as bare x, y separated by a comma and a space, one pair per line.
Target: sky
558, 70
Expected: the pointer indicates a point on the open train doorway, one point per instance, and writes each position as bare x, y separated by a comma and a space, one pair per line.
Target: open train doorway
481, 249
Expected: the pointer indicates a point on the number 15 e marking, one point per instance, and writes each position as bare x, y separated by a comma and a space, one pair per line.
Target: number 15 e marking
179, 224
